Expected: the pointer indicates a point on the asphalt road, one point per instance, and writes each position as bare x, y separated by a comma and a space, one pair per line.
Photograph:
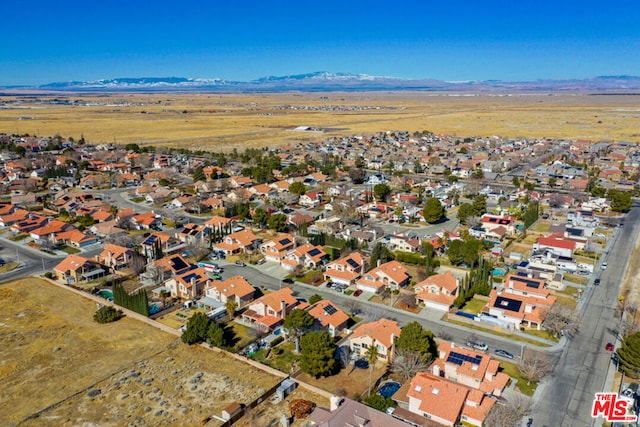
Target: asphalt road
584, 362
458, 334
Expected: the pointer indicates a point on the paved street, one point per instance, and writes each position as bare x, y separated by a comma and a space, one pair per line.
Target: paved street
566, 398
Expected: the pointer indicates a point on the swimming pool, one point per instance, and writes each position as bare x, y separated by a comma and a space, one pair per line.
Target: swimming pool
154, 308
388, 389
106, 294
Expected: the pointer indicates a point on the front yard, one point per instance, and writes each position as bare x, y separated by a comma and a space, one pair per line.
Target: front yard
474, 306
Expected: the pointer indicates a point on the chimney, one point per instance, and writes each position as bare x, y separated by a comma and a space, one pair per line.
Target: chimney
193, 287
436, 370
378, 263
283, 309
335, 402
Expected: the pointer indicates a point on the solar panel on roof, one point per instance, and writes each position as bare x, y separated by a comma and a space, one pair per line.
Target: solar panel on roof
330, 309
285, 241
458, 358
508, 304
352, 263
314, 252
178, 263
150, 240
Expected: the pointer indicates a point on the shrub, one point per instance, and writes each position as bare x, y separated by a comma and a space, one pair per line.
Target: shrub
107, 314
48, 275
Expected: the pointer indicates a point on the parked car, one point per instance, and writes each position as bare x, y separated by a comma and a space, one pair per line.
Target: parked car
609, 346
241, 264
357, 293
604, 266
288, 280
596, 282
504, 353
261, 261
478, 345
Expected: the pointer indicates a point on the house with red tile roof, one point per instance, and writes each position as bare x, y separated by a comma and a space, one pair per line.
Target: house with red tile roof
75, 238
240, 181
381, 333
235, 288
352, 413
307, 256
192, 234
240, 241
558, 245
404, 243
13, 217
470, 367
277, 248
447, 402
491, 222
219, 223
76, 268
145, 221
280, 186
311, 199
30, 223
268, 312
188, 285
172, 265
523, 285
391, 274
49, 230
329, 317
102, 216
346, 270
518, 310
115, 257
438, 291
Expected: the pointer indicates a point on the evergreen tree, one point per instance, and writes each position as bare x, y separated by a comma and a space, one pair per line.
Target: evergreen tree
415, 338
629, 355
433, 211
318, 350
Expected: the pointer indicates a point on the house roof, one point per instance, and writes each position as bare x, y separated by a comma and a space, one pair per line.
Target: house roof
71, 263
556, 242
274, 299
327, 313
114, 251
438, 396
446, 281
233, 286
383, 331
244, 237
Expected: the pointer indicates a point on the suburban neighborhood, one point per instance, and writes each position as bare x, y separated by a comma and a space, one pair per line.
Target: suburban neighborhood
442, 268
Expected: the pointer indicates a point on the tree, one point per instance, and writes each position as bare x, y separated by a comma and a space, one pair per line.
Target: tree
515, 181
408, 363
372, 356
455, 252
534, 367
357, 175
107, 314
296, 322
621, 201
629, 355
465, 211
315, 298
415, 338
197, 328
511, 413
381, 191
560, 320
433, 211
260, 217
199, 175
318, 349
231, 306
278, 222
215, 335
479, 205
380, 253
298, 188
379, 402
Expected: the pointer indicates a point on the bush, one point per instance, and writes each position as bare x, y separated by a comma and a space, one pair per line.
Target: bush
48, 275
107, 314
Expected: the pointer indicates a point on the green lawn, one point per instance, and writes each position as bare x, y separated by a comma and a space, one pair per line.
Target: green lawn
244, 334
541, 227
70, 250
282, 361
138, 199
311, 277
474, 306
541, 334
18, 237
581, 280
511, 369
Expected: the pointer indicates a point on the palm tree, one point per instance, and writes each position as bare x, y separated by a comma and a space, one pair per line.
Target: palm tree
231, 306
371, 355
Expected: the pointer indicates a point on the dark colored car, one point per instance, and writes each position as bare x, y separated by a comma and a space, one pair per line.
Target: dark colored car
357, 293
287, 280
504, 353
240, 264
596, 282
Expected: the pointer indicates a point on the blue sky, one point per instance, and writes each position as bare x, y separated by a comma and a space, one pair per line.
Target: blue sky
45, 41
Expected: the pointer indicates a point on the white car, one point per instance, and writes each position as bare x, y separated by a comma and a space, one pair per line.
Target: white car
604, 266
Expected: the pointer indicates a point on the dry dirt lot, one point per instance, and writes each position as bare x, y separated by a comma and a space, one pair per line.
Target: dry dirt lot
52, 355
223, 121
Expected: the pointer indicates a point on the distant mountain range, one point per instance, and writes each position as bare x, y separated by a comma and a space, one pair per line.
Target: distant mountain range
325, 81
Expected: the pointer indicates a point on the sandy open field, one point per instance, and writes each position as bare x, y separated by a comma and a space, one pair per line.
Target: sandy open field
53, 355
223, 121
